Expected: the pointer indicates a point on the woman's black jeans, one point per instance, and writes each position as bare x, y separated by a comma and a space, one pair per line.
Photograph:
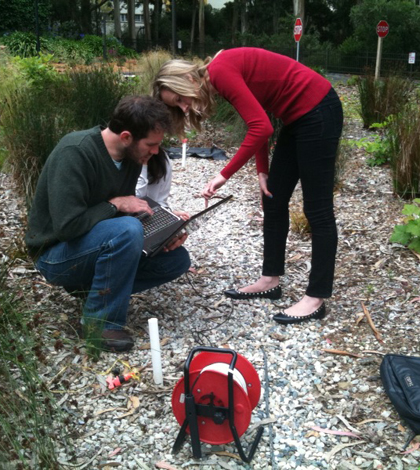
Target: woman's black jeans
305, 151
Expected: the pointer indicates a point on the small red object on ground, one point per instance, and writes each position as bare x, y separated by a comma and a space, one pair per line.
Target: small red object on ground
117, 381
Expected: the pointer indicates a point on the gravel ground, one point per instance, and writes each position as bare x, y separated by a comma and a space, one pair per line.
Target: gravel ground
322, 402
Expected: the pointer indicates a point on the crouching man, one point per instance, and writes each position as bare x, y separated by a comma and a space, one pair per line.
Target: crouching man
74, 234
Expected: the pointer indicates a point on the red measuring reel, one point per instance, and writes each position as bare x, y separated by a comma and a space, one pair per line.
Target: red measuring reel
214, 400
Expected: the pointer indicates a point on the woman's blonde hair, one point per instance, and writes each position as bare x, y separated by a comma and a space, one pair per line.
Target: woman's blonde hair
186, 79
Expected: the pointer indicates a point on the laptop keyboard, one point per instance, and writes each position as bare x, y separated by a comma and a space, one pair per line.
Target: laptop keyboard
159, 220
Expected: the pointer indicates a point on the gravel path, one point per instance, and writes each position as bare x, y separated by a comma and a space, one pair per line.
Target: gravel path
320, 409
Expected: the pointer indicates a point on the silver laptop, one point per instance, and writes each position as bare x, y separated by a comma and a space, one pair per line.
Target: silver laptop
163, 225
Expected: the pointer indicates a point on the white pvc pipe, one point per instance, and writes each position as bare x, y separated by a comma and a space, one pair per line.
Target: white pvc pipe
184, 152
155, 349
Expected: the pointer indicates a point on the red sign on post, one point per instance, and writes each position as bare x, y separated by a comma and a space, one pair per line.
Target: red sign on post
382, 29
298, 29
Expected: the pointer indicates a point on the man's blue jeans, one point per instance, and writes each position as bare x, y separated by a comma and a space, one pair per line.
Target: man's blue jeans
108, 265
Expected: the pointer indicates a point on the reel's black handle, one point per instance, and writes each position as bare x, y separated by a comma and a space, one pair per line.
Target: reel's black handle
194, 351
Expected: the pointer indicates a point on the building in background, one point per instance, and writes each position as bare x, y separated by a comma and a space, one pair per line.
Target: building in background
138, 19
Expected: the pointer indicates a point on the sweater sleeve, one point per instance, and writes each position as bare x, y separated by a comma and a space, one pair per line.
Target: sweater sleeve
231, 86
71, 212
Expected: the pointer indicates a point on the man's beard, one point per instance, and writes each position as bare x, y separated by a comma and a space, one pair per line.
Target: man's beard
130, 153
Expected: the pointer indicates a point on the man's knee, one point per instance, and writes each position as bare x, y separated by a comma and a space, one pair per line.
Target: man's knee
128, 231
183, 260
171, 264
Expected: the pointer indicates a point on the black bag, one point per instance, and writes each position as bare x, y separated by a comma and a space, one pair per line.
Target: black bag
200, 152
401, 379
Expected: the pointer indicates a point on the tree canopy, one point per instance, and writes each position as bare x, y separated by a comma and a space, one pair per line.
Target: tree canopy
346, 24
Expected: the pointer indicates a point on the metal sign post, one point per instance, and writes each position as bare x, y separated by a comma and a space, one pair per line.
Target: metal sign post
297, 33
382, 29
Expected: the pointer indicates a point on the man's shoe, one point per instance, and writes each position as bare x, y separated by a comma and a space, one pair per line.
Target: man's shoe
284, 319
273, 294
116, 340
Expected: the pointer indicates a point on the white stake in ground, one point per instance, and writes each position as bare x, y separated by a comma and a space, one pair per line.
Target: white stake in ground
155, 349
184, 152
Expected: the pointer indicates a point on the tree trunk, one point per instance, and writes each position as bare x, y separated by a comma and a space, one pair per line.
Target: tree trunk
117, 19
193, 21
299, 9
85, 17
131, 23
201, 31
156, 15
243, 22
235, 22
275, 19
146, 17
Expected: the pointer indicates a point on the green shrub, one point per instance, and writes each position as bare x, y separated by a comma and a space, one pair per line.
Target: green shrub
353, 80
31, 423
23, 44
382, 98
149, 64
36, 116
65, 49
32, 127
94, 45
3, 150
319, 70
70, 51
93, 95
235, 126
38, 70
409, 233
379, 145
404, 137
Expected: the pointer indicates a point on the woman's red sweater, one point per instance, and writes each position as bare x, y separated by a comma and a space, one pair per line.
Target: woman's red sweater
256, 81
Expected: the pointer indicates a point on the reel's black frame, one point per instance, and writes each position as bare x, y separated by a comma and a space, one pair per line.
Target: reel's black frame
217, 413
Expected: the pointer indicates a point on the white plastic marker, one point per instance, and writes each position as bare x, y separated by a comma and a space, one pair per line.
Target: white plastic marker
184, 152
155, 348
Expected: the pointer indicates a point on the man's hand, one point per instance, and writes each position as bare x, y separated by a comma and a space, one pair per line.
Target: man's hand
176, 242
131, 204
181, 237
212, 186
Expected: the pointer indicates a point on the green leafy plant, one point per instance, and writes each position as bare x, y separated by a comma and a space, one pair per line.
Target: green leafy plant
70, 51
23, 44
353, 80
408, 234
378, 145
319, 70
379, 148
38, 69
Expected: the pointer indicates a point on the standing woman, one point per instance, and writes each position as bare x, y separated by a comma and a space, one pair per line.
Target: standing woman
256, 81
